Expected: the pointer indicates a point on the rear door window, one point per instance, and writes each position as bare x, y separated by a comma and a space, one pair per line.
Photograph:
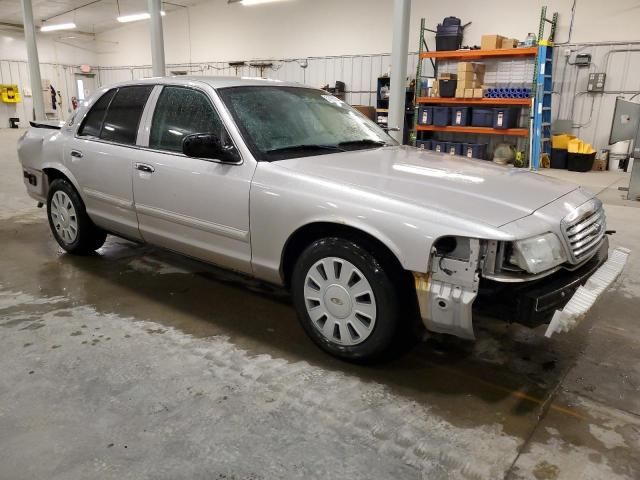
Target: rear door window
180, 112
93, 121
124, 113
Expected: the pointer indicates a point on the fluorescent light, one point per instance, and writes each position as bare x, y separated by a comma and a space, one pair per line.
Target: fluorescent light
134, 17
59, 26
252, 2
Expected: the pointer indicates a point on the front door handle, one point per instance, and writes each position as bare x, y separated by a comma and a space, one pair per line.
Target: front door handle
143, 167
76, 153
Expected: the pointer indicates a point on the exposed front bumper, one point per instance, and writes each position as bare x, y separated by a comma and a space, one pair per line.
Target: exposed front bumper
586, 295
534, 303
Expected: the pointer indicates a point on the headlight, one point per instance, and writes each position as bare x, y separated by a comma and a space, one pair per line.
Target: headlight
537, 254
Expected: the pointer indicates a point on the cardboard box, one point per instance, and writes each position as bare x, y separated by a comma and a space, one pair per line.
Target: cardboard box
509, 43
470, 76
470, 83
491, 42
447, 76
460, 92
478, 92
468, 93
471, 67
600, 164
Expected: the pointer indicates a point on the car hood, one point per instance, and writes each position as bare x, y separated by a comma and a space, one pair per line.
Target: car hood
460, 186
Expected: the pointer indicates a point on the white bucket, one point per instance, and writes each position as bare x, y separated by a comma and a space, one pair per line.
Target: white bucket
620, 148
614, 162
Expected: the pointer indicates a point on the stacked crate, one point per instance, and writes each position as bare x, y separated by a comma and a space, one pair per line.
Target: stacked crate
470, 80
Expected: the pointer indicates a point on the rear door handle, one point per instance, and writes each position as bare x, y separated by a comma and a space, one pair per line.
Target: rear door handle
76, 153
143, 167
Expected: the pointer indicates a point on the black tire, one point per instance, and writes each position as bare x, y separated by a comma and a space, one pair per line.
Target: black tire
89, 237
379, 341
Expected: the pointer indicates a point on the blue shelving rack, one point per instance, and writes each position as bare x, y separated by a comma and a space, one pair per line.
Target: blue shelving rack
541, 135
543, 88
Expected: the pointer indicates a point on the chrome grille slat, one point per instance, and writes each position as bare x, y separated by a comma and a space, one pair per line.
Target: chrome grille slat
586, 240
584, 223
580, 251
584, 234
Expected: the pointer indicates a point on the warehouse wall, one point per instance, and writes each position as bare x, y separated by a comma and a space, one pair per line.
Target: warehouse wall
346, 40
349, 40
217, 31
592, 114
58, 60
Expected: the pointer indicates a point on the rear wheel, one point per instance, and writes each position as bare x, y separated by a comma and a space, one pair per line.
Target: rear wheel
345, 300
71, 226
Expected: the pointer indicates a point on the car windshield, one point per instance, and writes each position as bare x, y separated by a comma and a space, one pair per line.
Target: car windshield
288, 122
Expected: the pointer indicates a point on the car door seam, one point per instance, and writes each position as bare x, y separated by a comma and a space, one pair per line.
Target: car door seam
105, 197
192, 222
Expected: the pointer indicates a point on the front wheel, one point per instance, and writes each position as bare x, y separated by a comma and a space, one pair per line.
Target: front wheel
345, 300
71, 226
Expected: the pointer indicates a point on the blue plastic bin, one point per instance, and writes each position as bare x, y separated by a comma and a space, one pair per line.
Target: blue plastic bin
423, 144
437, 146
474, 150
441, 116
481, 117
505, 117
454, 148
425, 116
460, 116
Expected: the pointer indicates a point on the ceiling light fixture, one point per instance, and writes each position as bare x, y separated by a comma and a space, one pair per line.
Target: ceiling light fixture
59, 26
135, 17
252, 2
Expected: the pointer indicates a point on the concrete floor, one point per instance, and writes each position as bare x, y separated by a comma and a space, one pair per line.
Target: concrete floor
136, 363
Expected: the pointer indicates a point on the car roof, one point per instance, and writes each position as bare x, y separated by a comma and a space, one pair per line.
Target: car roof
215, 82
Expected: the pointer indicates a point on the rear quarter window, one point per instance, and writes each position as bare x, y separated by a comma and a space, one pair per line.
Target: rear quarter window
92, 123
124, 113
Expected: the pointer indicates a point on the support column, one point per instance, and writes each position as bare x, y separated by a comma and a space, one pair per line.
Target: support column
399, 52
33, 60
157, 39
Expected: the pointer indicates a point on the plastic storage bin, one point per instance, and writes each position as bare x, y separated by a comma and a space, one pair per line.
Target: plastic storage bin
460, 116
441, 117
425, 116
438, 146
505, 117
580, 162
559, 158
454, 148
447, 88
482, 117
474, 150
449, 34
423, 144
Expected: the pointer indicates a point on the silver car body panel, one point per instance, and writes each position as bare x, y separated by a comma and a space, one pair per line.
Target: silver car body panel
242, 215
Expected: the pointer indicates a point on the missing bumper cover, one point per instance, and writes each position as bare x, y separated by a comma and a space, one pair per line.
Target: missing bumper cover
446, 294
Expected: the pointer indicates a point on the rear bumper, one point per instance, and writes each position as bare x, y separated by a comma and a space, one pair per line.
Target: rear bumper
534, 303
34, 181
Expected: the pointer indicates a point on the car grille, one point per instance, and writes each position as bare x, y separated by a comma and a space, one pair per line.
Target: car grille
585, 232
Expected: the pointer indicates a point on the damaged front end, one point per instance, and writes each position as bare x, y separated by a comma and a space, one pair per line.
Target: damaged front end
447, 292
467, 273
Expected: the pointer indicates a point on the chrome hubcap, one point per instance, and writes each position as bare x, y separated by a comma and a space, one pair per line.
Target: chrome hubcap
340, 301
64, 218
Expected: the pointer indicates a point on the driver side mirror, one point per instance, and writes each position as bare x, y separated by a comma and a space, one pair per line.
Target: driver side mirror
209, 145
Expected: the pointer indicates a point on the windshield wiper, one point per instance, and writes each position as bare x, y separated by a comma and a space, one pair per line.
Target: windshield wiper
306, 147
364, 142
